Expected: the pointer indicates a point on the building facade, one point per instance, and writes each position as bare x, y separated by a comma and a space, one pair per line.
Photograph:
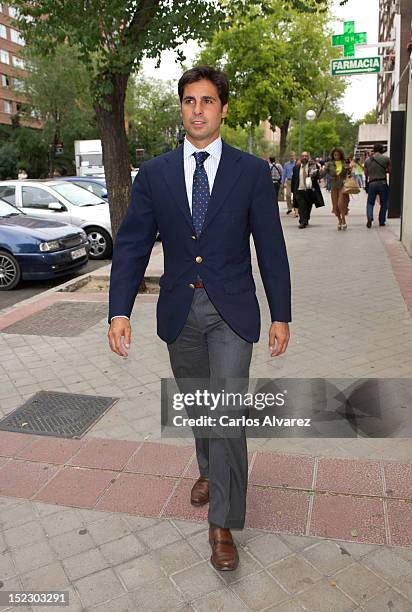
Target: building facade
389, 12
12, 69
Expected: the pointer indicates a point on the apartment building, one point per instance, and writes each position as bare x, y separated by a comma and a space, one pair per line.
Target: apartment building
388, 12
12, 69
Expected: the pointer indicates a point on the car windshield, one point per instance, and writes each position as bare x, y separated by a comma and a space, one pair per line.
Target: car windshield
77, 195
7, 210
97, 188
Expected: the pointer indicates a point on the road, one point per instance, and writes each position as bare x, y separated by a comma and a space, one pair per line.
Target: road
27, 289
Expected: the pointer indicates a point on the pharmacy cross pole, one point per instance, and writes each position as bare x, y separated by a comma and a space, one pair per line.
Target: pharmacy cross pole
349, 39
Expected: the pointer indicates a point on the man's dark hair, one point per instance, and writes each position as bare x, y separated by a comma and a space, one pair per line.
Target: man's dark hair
217, 77
378, 148
272, 159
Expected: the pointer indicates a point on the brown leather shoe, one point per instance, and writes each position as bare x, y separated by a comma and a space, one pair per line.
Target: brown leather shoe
224, 557
199, 495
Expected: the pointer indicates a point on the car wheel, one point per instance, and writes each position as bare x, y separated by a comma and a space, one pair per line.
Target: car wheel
100, 243
10, 273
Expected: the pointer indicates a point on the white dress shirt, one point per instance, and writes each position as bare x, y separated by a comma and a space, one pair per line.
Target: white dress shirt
210, 165
189, 163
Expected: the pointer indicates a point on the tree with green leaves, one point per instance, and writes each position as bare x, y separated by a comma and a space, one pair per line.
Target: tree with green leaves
57, 89
334, 128
275, 62
239, 137
370, 117
112, 38
153, 113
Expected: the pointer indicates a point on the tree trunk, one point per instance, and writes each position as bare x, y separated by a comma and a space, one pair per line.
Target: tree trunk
284, 128
111, 126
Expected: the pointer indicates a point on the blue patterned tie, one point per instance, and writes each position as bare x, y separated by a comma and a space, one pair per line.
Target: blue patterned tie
200, 193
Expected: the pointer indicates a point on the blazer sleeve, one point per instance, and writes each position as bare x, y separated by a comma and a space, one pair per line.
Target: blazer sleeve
132, 248
270, 247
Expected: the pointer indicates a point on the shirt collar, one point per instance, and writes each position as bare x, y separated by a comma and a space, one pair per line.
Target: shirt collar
214, 148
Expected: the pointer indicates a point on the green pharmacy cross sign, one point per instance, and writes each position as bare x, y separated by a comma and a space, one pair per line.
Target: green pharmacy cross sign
349, 64
349, 39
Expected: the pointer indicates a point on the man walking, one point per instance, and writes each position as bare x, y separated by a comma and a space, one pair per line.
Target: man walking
287, 182
206, 199
276, 171
377, 167
305, 188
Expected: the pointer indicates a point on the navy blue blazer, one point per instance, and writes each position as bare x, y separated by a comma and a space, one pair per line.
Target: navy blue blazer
242, 203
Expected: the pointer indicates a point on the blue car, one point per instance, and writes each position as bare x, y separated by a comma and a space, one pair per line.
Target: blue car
33, 248
94, 184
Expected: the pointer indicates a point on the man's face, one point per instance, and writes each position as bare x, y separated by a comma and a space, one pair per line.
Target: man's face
304, 158
293, 157
202, 112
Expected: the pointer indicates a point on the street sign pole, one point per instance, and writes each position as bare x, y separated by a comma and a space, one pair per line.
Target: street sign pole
397, 71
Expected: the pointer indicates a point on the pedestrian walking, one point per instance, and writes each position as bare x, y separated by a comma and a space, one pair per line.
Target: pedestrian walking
377, 168
206, 198
287, 183
338, 169
276, 172
305, 188
357, 172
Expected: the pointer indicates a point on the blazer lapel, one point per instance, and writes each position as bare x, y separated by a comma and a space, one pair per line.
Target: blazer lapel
227, 174
175, 177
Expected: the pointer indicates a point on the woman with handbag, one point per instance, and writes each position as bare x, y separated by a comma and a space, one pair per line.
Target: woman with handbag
338, 170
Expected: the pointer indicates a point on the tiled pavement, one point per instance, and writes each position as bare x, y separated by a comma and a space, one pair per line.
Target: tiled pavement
119, 562
351, 296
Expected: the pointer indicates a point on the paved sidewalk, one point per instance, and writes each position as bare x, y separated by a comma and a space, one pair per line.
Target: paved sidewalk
131, 541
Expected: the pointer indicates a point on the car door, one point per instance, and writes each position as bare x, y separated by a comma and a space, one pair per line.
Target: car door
35, 200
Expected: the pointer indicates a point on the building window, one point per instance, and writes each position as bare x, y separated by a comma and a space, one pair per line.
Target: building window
3, 31
13, 12
4, 80
18, 84
16, 37
18, 62
4, 56
1, 7
8, 107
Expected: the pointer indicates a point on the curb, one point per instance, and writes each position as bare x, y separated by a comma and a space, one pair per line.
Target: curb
153, 272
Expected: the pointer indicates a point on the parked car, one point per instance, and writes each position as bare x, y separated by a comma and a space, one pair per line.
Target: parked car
94, 184
32, 248
64, 201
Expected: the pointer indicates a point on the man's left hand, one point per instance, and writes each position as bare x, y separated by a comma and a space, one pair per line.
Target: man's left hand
278, 338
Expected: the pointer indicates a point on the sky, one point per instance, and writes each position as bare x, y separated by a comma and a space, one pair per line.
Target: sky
361, 93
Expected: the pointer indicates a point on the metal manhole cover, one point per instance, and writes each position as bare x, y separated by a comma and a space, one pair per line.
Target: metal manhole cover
63, 319
51, 413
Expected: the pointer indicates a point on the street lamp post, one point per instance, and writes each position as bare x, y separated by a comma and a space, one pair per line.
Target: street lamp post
310, 116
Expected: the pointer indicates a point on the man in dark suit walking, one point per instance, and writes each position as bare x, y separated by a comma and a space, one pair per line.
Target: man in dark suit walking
206, 199
305, 188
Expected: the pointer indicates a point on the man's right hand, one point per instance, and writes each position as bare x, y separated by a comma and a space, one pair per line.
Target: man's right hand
119, 335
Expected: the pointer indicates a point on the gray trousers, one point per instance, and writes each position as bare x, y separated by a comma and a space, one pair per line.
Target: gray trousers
208, 349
